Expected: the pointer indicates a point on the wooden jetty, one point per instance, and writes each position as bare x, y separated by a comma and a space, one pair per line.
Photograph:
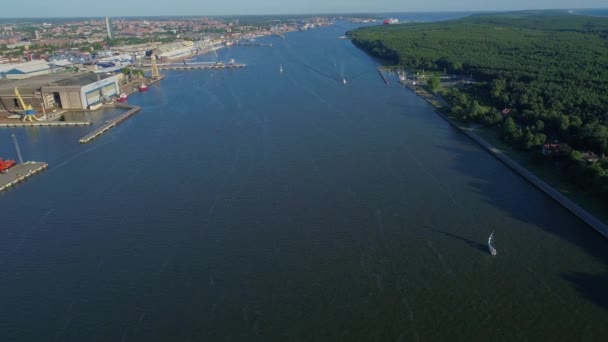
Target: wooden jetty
112, 123
20, 173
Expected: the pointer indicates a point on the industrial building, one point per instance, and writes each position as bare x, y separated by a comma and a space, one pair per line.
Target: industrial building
60, 91
24, 70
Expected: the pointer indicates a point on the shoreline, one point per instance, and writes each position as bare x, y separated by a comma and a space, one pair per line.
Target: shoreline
576, 209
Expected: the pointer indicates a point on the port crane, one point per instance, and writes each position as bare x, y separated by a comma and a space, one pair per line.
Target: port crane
217, 58
28, 111
155, 72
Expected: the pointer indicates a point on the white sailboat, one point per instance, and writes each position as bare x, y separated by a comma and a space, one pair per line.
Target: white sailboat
491, 244
281, 68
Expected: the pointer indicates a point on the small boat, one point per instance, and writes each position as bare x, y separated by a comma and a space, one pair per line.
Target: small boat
143, 88
491, 244
344, 81
122, 98
281, 68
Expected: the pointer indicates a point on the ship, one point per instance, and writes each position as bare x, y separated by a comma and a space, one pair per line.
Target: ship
281, 68
391, 21
6, 164
122, 98
143, 88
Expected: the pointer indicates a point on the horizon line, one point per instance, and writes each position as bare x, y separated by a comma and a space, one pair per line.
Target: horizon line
304, 13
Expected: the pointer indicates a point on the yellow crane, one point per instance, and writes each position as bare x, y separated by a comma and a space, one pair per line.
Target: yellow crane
217, 58
155, 71
28, 111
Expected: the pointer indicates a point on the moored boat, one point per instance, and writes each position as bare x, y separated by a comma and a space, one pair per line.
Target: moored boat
122, 98
143, 88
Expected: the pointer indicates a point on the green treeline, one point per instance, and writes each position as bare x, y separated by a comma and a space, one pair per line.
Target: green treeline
548, 68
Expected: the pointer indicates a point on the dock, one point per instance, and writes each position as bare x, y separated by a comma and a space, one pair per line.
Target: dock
45, 124
111, 123
201, 65
252, 44
20, 173
383, 77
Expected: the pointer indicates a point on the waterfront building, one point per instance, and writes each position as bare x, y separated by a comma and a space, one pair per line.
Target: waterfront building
64, 91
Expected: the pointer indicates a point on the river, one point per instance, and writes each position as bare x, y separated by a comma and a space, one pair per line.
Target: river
255, 205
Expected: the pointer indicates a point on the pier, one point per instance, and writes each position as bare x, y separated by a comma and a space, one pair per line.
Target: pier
20, 173
201, 65
252, 44
45, 124
112, 123
383, 77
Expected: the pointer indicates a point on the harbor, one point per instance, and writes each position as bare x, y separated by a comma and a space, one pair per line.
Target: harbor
20, 173
111, 123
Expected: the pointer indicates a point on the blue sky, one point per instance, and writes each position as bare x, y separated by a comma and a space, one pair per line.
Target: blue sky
99, 8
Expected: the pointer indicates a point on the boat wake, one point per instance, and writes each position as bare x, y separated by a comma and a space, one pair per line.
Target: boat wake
491, 244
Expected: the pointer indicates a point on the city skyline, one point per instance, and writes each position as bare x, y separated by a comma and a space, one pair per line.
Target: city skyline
117, 8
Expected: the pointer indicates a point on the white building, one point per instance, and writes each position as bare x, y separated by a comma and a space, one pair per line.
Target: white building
24, 70
81, 92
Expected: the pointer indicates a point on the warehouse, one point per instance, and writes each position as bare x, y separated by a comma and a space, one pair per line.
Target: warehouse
81, 92
61, 91
24, 70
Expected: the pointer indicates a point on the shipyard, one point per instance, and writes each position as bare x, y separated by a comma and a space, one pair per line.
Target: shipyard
115, 58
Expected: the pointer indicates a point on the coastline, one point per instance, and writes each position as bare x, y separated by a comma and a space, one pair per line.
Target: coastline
574, 207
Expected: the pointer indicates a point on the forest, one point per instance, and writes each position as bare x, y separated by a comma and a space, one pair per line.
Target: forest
540, 77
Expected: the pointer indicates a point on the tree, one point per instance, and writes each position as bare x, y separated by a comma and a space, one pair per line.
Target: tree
433, 82
510, 130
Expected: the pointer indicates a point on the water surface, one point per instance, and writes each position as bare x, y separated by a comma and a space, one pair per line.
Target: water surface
254, 205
